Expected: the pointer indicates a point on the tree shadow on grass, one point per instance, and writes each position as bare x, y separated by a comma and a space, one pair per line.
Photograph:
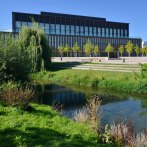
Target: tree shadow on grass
44, 137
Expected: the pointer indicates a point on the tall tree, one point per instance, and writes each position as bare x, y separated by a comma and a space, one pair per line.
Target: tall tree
121, 50
76, 48
137, 49
66, 49
96, 50
34, 39
144, 50
109, 49
88, 47
61, 50
129, 47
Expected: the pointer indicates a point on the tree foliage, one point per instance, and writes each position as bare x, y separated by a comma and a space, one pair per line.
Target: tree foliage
61, 49
34, 40
14, 61
109, 49
88, 47
76, 47
129, 47
137, 49
66, 49
29, 53
144, 50
96, 49
121, 50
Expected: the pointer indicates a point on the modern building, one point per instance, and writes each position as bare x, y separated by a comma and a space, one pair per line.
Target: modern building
64, 29
144, 43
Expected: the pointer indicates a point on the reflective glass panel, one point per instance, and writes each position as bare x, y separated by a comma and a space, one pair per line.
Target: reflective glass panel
18, 24
81, 30
86, 31
24, 23
67, 30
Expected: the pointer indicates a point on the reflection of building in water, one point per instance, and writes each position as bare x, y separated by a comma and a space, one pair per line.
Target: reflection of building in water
51, 93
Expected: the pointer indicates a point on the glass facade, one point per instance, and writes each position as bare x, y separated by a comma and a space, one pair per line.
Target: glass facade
61, 29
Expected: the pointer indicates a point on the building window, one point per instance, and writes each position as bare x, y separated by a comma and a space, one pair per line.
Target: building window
122, 33
52, 28
111, 32
126, 33
99, 32
107, 32
103, 32
90, 31
24, 23
81, 30
29, 24
94, 31
67, 30
118, 32
86, 31
18, 24
57, 29
77, 30
46, 28
114, 32
72, 30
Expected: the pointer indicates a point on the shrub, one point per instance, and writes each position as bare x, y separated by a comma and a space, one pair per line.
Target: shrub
16, 95
90, 113
14, 62
144, 70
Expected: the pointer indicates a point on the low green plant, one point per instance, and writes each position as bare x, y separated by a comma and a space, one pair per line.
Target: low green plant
42, 127
143, 70
91, 113
16, 95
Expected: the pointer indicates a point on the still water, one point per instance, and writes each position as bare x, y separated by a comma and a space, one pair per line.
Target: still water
114, 105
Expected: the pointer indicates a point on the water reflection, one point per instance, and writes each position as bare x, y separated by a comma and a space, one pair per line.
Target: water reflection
48, 94
114, 105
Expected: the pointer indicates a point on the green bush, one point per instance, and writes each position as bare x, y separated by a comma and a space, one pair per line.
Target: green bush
144, 70
16, 95
14, 62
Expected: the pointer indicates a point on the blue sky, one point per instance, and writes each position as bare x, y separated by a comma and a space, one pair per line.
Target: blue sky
131, 11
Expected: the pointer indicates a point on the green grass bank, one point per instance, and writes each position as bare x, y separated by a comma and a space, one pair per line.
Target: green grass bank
118, 81
42, 127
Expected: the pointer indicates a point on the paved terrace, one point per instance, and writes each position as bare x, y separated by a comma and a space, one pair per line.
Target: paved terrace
123, 64
131, 60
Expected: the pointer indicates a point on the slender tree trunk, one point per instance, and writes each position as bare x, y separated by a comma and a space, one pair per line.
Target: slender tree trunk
108, 55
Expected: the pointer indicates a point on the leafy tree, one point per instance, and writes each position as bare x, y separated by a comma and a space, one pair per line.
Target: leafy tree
121, 50
61, 50
88, 47
66, 49
34, 40
15, 63
109, 49
137, 49
76, 48
144, 51
96, 50
129, 47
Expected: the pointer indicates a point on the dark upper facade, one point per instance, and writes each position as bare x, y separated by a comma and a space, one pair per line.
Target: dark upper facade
61, 29
65, 24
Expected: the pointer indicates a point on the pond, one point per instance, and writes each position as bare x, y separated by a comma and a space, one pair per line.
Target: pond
114, 105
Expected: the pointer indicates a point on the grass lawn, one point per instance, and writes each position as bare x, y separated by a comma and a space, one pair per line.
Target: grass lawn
42, 127
118, 81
